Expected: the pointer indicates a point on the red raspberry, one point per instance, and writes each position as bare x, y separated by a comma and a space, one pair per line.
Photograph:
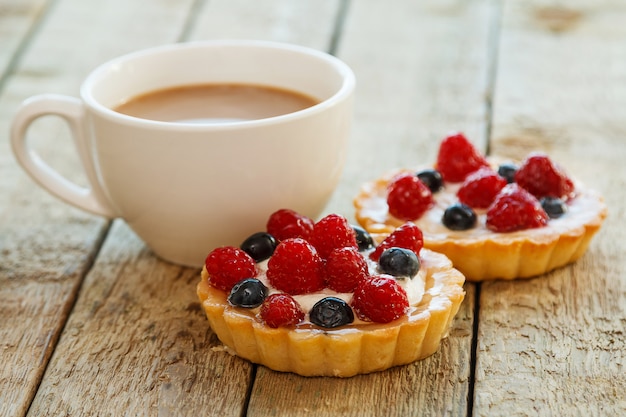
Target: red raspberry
280, 310
295, 267
380, 299
515, 209
543, 178
228, 265
407, 236
408, 197
331, 232
345, 268
480, 188
457, 158
284, 224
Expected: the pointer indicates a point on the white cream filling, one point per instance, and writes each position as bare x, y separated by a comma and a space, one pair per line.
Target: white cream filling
582, 209
413, 286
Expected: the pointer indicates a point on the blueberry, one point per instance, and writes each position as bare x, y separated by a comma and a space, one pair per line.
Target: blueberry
330, 312
507, 171
248, 293
459, 217
363, 238
399, 262
259, 246
432, 179
555, 207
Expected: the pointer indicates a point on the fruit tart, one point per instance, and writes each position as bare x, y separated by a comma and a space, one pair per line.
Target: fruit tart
321, 299
493, 218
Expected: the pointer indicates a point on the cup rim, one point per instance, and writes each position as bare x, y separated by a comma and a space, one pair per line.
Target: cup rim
347, 86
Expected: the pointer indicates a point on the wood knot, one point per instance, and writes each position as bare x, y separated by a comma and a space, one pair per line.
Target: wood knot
557, 18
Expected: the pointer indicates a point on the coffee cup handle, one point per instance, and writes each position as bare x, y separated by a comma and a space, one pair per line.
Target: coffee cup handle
91, 199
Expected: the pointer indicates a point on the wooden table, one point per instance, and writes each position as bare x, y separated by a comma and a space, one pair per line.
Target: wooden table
91, 323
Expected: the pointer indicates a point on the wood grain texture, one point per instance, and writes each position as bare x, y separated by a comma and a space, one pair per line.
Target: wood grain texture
307, 23
94, 325
422, 71
137, 341
555, 345
18, 20
46, 247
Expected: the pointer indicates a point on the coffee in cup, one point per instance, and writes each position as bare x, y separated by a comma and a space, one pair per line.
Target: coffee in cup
215, 103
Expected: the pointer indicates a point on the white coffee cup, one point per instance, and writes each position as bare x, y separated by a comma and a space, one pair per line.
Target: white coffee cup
187, 188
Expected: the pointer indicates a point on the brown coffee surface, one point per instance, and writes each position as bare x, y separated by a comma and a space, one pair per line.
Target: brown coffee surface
215, 103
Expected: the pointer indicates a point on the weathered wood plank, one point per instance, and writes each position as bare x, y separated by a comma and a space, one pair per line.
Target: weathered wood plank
46, 246
137, 343
40, 273
422, 71
430, 77
44, 253
18, 18
307, 23
555, 345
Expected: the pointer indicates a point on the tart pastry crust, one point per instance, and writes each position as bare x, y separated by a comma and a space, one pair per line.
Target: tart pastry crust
484, 255
349, 350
